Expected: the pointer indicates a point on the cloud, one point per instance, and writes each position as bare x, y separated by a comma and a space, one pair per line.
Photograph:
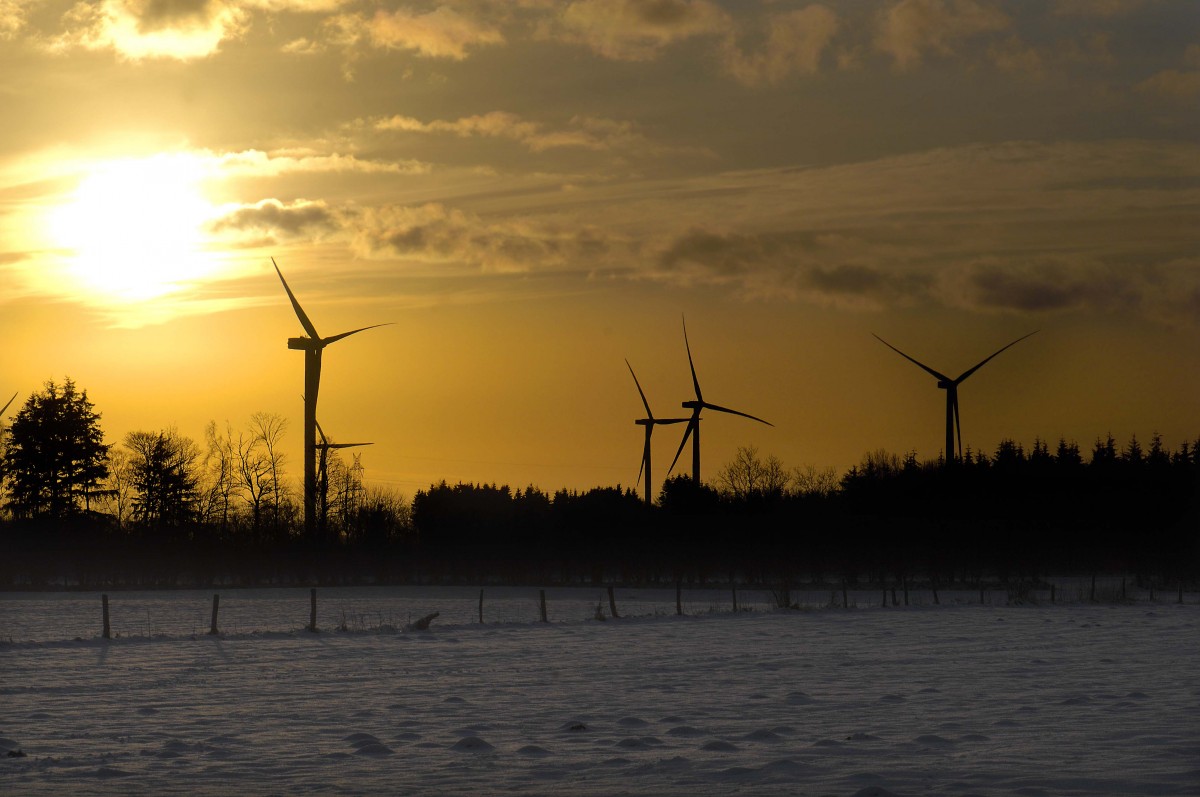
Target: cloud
636, 30
581, 132
439, 235
276, 219
1173, 84
257, 163
144, 29
13, 15
795, 42
911, 29
441, 33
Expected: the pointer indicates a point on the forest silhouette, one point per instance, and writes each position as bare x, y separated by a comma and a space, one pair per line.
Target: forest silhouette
161, 510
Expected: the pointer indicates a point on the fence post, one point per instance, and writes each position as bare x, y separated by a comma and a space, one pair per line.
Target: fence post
933, 586
216, 602
542, 604
733, 590
612, 605
107, 632
481, 606
894, 603
312, 610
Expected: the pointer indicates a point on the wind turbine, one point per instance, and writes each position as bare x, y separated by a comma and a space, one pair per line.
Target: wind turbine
312, 345
953, 421
323, 469
696, 406
649, 422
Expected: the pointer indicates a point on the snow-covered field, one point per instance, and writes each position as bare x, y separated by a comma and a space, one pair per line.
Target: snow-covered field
1066, 699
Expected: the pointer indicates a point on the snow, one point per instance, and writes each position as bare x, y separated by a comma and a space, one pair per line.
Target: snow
1065, 699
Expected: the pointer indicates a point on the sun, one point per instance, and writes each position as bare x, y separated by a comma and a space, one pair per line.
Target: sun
134, 228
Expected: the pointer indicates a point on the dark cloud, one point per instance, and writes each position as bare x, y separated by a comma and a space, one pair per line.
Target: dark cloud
158, 14
273, 216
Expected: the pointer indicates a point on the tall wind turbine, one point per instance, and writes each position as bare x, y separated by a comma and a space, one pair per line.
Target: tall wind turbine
323, 470
953, 421
649, 422
696, 406
312, 345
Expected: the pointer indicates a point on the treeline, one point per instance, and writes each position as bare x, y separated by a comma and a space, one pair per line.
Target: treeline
160, 509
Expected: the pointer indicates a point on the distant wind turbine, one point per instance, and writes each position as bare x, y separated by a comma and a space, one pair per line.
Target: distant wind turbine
323, 469
649, 422
312, 345
953, 420
696, 406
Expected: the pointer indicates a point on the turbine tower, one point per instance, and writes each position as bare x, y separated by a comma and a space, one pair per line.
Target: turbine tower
649, 422
323, 471
953, 421
312, 345
696, 406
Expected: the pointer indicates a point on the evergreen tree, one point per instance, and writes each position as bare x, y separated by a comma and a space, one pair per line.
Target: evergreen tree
56, 456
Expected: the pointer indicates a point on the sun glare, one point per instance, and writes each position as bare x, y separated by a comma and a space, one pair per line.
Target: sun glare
134, 228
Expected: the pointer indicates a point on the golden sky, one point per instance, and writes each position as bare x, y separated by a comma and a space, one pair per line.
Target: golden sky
533, 191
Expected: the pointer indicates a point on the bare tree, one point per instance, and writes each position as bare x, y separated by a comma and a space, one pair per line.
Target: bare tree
220, 476
268, 429
116, 497
748, 475
811, 480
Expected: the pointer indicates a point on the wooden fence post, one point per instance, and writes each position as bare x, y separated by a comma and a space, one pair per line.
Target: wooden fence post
107, 632
481, 606
542, 604
894, 603
216, 602
312, 609
612, 605
933, 586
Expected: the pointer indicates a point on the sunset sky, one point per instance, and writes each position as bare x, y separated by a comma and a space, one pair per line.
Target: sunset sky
533, 191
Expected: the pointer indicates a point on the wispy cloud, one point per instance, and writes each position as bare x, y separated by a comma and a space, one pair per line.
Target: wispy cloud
795, 42
580, 132
635, 30
440, 33
911, 30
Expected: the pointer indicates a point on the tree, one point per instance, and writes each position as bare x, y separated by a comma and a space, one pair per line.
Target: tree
56, 457
164, 477
749, 476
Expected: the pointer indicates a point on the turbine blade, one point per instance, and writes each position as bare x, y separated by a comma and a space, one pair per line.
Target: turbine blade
10, 401
645, 403
347, 445
686, 434
970, 371
936, 374
658, 421
735, 412
304, 321
320, 431
695, 381
645, 456
336, 338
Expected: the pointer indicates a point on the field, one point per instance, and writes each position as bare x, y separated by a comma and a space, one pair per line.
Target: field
956, 699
